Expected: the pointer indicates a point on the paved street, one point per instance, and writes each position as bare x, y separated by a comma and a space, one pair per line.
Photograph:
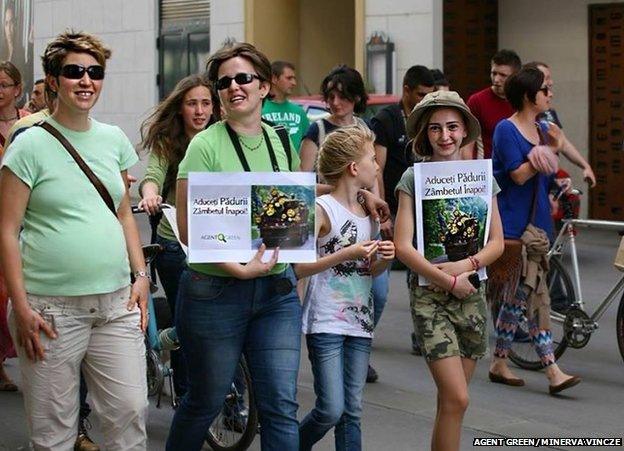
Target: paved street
399, 409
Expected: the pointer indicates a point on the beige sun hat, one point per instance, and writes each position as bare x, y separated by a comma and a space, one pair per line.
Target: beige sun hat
443, 99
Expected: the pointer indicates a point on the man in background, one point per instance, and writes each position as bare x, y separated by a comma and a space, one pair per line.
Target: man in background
37, 97
489, 105
278, 109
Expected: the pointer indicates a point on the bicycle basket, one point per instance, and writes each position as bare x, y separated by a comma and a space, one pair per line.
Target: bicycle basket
619, 257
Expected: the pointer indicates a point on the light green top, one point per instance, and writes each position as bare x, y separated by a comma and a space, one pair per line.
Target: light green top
290, 115
211, 151
156, 172
72, 244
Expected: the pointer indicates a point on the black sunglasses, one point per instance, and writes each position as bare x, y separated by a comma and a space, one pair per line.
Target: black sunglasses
240, 79
76, 72
545, 90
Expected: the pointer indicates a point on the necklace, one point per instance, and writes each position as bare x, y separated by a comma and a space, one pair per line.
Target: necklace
8, 119
253, 147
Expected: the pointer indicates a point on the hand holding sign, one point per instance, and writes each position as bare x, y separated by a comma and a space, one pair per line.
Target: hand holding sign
256, 267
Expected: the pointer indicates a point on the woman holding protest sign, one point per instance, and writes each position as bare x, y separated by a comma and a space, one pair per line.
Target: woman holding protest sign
450, 313
226, 309
524, 159
166, 133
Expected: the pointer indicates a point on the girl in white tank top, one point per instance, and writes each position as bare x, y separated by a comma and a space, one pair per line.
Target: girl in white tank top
338, 305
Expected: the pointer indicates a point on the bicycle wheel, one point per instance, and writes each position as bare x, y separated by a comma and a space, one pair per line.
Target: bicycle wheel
235, 427
619, 326
560, 287
155, 372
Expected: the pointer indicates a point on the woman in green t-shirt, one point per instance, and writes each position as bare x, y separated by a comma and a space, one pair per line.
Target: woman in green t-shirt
167, 133
68, 270
227, 309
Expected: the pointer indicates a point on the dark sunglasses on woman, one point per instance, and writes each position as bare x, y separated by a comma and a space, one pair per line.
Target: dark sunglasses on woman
240, 79
77, 71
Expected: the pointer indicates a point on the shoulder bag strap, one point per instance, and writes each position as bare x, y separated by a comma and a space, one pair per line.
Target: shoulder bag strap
241, 155
99, 186
282, 133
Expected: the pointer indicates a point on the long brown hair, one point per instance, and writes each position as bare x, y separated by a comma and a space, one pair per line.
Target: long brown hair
163, 131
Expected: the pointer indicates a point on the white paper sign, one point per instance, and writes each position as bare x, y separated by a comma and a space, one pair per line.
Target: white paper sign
453, 201
169, 211
230, 214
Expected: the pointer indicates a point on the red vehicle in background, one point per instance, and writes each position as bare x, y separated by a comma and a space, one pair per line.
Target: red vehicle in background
316, 108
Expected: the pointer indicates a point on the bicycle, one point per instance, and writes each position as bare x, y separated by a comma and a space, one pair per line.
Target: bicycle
235, 427
571, 323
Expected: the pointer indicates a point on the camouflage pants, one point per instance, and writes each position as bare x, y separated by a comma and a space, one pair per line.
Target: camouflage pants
447, 326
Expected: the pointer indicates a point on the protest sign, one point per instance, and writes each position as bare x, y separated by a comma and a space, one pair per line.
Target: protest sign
453, 201
230, 214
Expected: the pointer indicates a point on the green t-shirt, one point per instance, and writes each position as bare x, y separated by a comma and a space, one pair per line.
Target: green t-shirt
211, 151
290, 115
156, 172
72, 244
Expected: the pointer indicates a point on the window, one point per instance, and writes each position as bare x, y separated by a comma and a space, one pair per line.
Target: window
184, 41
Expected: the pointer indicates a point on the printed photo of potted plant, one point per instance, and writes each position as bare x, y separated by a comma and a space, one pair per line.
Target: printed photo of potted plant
454, 228
282, 216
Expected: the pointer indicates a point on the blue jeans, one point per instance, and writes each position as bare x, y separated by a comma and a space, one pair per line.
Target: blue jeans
339, 364
217, 319
380, 294
170, 263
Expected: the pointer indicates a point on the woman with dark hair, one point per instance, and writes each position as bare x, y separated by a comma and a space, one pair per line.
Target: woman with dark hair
524, 159
227, 309
166, 133
343, 91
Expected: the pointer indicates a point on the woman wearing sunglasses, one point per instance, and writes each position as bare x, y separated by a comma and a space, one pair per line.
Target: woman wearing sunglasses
226, 309
523, 169
68, 270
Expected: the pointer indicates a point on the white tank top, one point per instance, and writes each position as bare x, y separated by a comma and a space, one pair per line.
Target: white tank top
339, 300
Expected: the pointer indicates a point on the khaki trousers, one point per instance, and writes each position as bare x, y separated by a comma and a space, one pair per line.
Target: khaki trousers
98, 333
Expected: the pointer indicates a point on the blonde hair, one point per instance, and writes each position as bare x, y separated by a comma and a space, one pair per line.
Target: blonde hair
341, 148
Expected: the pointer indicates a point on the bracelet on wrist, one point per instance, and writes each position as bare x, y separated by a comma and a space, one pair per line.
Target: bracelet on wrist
453, 284
474, 261
141, 273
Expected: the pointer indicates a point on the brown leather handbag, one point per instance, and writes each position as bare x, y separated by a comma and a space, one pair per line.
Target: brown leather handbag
504, 274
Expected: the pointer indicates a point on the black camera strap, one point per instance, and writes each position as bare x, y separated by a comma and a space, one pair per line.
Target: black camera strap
241, 155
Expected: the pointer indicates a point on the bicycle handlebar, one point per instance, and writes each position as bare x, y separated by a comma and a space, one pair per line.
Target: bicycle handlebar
136, 210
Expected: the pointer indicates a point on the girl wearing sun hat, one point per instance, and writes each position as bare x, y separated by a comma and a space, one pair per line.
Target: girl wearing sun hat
449, 314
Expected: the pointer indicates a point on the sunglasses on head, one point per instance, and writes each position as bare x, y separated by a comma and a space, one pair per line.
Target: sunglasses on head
240, 79
76, 72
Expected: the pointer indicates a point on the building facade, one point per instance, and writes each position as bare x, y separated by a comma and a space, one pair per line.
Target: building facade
457, 36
